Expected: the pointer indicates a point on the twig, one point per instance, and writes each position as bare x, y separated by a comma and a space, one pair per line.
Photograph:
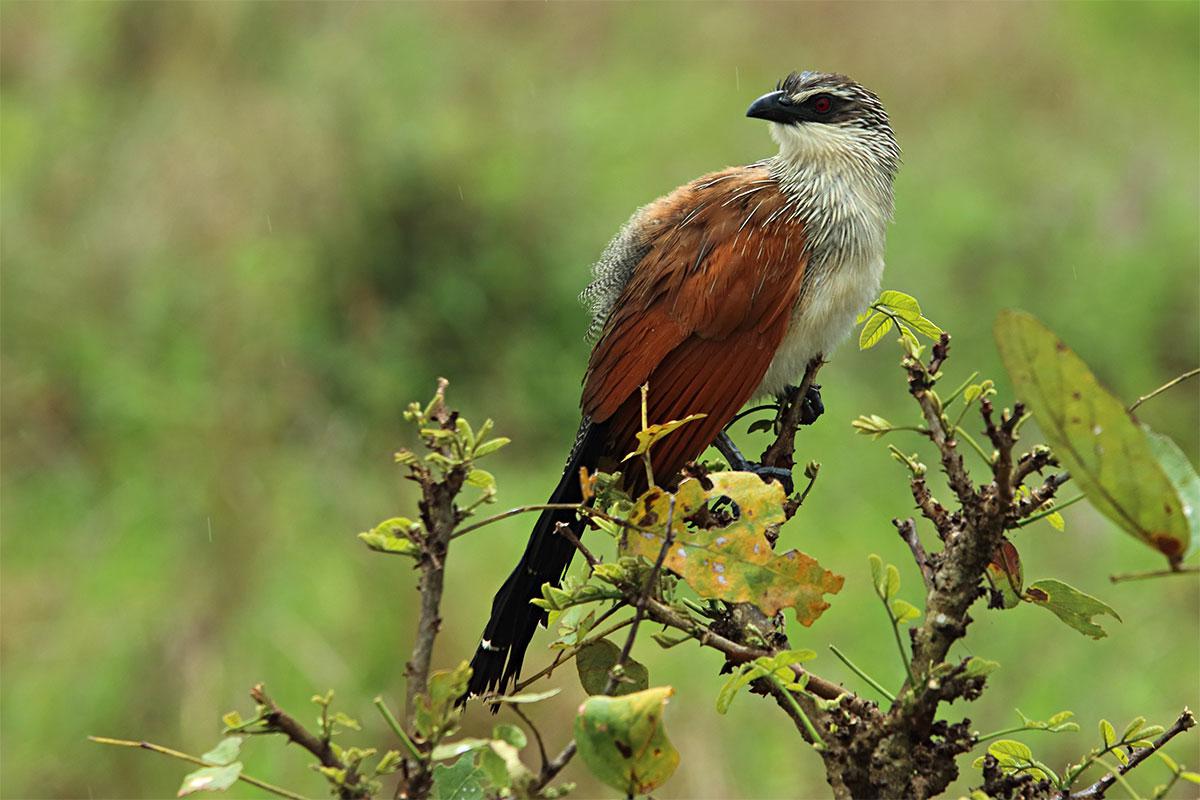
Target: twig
537, 736
166, 751
551, 768
1185, 721
1191, 373
908, 532
781, 452
276, 719
1052, 510
1154, 573
614, 674
564, 530
398, 729
891, 698
567, 655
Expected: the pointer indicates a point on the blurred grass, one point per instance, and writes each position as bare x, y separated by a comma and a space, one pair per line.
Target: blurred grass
238, 238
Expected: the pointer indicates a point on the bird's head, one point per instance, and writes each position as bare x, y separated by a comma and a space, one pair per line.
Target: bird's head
818, 116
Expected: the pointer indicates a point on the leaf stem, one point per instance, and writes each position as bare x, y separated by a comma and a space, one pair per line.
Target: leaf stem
1154, 573
1052, 510
166, 751
397, 729
818, 742
891, 698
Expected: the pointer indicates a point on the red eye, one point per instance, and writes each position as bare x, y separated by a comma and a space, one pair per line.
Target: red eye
821, 104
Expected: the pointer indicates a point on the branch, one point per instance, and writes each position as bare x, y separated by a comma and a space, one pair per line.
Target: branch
908, 532
1189, 374
278, 720
166, 751
1096, 791
781, 452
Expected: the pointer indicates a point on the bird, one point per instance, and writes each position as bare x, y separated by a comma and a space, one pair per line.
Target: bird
720, 291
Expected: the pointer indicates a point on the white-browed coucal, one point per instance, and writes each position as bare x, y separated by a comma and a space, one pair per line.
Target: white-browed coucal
722, 290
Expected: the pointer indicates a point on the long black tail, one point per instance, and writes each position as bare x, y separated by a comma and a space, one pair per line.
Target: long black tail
497, 662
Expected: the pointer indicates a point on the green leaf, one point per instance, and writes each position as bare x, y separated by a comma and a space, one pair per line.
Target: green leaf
623, 742
448, 750
461, 781
892, 586
510, 734
734, 563
904, 305
905, 612
1107, 733
492, 764
1182, 476
1116, 464
655, 433
490, 446
390, 536
1010, 749
481, 479
977, 667
875, 328
210, 779
437, 713
928, 327
527, 697
232, 720
1132, 728
876, 572
1193, 777
1071, 606
597, 658
224, 753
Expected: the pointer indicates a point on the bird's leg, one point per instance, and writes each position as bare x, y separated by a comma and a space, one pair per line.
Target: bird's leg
739, 462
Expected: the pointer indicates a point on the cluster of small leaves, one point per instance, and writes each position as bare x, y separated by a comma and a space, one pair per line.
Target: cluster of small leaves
456, 448
776, 668
886, 581
224, 772
1016, 758
894, 309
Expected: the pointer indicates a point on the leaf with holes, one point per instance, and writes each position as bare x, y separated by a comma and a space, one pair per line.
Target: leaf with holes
623, 742
1119, 468
734, 563
1070, 605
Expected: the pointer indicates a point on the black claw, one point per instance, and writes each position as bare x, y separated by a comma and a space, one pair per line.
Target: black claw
811, 406
784, 476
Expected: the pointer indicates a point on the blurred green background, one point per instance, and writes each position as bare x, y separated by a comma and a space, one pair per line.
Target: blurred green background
239, 238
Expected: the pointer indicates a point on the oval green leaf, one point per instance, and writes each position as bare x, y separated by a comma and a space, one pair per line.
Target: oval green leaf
1111, 458
623, 742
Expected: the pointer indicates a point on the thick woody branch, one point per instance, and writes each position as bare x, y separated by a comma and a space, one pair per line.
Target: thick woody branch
440, 515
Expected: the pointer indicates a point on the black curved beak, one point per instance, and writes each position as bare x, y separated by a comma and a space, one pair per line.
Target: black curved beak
774, 107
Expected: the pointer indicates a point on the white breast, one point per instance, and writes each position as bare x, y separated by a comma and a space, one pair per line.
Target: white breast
824, 317
845, 211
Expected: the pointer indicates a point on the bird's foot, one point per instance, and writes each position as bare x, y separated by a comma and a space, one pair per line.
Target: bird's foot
811, 406
739, 462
